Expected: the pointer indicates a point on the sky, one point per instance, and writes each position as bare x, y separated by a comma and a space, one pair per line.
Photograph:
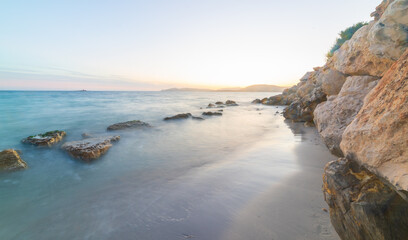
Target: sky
158, 44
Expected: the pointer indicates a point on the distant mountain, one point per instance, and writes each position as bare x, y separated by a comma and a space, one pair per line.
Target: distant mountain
252, 88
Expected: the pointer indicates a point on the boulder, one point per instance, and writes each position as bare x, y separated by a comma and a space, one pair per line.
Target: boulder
11, 160
362, 206
212, 113
377, 138
135, 124
211, 105
301, 110
178, 116
388, 36
331, 81
257, 101
355, 57
333, 116
90, 148
219, 103
380, 9
45, 139
231, 103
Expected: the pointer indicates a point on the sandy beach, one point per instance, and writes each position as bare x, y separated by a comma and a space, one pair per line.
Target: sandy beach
293, 208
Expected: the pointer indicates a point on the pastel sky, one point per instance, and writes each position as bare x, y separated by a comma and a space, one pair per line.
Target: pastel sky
156, 44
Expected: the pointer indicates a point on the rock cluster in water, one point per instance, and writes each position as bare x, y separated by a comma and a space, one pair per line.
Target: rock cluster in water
90, 148
212, 113
135, 124
11, 160
359, 104
219, 104
45, 139
178, 116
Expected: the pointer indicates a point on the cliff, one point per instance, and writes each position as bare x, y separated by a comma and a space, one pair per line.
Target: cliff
359, 104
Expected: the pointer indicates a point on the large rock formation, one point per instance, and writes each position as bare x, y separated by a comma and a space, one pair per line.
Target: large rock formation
380, 9
388, 36
90, 148
11, 160
377, 138
333, 116
362, 206
356, 58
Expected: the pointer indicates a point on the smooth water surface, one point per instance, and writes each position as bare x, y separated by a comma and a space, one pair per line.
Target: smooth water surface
179, 180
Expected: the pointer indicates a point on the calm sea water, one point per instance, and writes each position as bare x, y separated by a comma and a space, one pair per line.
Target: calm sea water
178, 180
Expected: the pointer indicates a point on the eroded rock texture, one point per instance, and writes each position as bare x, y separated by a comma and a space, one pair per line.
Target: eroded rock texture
362, 206
90, 148
377, 138
333, 116
11, 160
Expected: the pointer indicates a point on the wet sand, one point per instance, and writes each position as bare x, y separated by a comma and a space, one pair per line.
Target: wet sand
292, 209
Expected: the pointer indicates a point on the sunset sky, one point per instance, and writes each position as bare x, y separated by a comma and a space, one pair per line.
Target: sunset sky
151, 45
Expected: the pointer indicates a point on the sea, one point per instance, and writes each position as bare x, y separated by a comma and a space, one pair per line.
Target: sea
183, 179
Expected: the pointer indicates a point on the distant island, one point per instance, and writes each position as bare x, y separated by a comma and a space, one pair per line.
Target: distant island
252, 88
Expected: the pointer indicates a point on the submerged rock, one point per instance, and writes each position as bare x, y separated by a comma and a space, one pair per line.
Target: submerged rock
362, 206
90, 148
333, 116
178, 116
212, 113
11, 160
130, 124
198, 118
211, 105
231, 103
45, 139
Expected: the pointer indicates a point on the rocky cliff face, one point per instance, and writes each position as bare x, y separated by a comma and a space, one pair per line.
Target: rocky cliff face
378, 136
359, 103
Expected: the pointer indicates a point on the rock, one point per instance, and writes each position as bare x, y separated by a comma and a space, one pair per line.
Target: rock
301, 110
11, 160
361, 205
90, 148
86, 135
380, 9
219, 103
212, 114
211, 105
257, 101
309, 124
130, 124
178, 116
45, 139
377, 138
231, 103
331, 81
356, 58
198, 118
388, 37
220, 110
333, 116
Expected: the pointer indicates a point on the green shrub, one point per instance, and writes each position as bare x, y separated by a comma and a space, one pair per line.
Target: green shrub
344, 36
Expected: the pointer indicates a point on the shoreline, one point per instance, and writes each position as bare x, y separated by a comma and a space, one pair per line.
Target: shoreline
293, 208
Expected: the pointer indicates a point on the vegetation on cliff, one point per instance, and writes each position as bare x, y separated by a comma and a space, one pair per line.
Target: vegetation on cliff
345, 35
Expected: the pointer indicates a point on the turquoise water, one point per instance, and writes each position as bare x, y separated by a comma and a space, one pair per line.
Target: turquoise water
177, 180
